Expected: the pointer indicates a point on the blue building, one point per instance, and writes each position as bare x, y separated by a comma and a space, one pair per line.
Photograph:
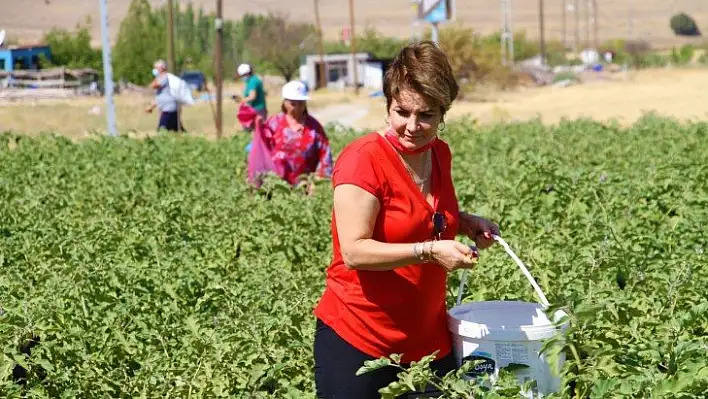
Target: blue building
28, 57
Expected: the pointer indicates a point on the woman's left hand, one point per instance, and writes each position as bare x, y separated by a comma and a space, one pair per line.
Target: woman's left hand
478, 229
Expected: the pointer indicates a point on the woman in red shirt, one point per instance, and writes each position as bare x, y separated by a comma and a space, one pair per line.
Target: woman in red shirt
394, 224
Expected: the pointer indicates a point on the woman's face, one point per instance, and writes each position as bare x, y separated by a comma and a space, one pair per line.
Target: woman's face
414, 121
294, 108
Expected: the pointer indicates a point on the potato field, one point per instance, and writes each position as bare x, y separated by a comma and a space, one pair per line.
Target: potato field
147, 268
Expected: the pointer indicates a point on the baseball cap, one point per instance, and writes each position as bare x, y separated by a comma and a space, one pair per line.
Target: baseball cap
296, 91
243, 69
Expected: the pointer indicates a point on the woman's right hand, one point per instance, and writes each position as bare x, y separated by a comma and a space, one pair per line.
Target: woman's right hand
453, 255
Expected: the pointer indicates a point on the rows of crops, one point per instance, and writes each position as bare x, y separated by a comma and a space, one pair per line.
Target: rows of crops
148, 269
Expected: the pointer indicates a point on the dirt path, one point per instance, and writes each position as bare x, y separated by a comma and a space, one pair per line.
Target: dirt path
346, 114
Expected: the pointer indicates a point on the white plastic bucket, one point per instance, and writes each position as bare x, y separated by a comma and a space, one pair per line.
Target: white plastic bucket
499, 333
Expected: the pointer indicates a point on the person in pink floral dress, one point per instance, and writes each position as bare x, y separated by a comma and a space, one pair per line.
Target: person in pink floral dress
297, 142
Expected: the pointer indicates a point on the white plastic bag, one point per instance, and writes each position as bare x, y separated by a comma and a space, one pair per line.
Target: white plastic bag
180, 90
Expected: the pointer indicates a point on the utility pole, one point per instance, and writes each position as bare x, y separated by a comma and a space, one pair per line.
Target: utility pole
576, 41
630, 19
218, 64
322, 81
107, 70
595, 14
171, 65
507, 35
542, 33
564, 23
355, 64
588, 22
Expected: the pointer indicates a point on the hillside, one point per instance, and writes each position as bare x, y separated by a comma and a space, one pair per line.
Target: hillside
27, 20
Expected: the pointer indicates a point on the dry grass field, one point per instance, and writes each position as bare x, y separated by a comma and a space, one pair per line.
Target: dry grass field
28, 20
77, 118
679, 93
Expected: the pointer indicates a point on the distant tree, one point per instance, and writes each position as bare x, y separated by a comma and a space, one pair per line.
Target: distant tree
684, 25
370, 41
378, 45
142, 38
280, 44
463, 50
73, 49
141, 41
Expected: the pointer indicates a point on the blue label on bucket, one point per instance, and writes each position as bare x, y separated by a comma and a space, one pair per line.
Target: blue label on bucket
484, 363
483, 354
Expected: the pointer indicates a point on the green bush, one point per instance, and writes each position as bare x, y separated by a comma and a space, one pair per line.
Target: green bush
684, 25
618, 47
568, 75
73, 49
703, 59
370, 41
682, 55
653, 60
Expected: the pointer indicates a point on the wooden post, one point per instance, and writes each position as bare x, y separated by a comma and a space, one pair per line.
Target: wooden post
218, 65
576, 12
353, 47
595, 13
588, 17
564, 24
322, 81
542, 31
171, 66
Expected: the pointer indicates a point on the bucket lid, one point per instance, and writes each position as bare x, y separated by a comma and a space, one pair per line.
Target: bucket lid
502, 321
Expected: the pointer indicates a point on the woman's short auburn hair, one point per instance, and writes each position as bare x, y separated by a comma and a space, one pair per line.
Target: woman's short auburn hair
425, 69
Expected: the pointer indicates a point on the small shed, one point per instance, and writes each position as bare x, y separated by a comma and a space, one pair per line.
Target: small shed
28, 57
339, 70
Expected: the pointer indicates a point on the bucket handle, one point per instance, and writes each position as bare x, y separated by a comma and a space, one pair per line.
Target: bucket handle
518, 261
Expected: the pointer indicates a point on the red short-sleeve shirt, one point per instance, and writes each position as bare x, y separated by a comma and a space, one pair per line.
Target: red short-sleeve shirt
401, 310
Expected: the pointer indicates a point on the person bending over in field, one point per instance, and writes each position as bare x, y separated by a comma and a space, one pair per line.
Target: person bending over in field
296, 142
394, 225
253, 93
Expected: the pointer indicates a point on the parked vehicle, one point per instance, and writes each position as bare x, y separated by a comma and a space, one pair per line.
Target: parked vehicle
195, 79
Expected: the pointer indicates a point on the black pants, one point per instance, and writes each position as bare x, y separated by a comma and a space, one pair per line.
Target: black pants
336, 363
170, 121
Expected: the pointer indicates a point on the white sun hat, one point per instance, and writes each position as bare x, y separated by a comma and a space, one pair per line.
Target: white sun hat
295, 91
243, 69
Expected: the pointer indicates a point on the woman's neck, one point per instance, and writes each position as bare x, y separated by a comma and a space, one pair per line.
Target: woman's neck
297, 118
415, 160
